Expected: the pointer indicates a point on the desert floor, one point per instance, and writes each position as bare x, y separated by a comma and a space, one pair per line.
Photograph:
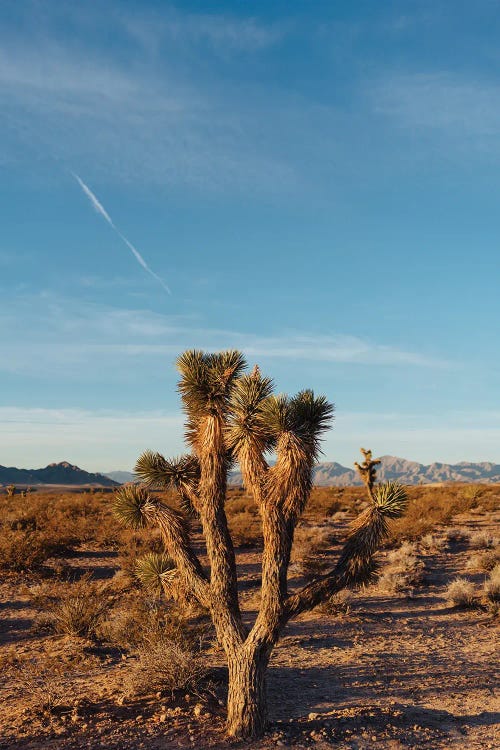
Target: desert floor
388, 670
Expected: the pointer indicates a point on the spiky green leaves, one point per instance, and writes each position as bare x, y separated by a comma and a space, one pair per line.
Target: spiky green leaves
206, 380
356, 562
245, 421
182, 473
305, 415
390, 499
312, 416
156, 572
133, 505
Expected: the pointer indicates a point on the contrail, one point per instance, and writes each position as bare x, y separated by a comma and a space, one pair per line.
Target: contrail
101, 210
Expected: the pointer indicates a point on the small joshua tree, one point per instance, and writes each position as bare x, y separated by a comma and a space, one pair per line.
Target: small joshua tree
233, 416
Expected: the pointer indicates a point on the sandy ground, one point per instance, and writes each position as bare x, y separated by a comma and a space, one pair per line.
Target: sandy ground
394, 672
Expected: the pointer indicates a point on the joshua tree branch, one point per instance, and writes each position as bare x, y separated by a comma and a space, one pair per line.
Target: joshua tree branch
224, 601
356, 563
176, 539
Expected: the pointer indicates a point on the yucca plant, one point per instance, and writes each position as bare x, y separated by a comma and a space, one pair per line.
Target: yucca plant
156, 571
233, 416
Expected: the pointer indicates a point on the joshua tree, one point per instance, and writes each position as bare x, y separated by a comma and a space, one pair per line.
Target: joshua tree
233, 416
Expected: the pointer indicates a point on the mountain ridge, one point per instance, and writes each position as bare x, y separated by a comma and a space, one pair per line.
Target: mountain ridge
326, 474
62, 473
333, 474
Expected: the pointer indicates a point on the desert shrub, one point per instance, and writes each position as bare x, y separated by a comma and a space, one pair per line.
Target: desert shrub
492, 585
326, 501
43, 685
132, 547
472, 492
136, 618
37, 527
338, 604
460, 593
129, 620
481, 540
165, 665
403, 570
430, 543
484, 560
25, 550
73, 609
311, 543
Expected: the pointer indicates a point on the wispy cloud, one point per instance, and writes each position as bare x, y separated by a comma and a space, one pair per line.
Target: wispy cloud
225, 34
457, 107
105, 440
102, 211
68, 337
164, 121
99, 440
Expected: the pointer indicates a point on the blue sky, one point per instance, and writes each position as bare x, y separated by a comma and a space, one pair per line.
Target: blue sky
317, 184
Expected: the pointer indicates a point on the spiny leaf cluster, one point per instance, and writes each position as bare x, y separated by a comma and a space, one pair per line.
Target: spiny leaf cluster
156, 571
368, 531
182, 473
215, 384
131, 505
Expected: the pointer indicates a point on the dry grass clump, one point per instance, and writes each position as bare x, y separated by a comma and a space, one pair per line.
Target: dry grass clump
44, 687
338, 604
481, 540
79, 615
75, 609
460, 593
165, 665
432, 544
311, 544
492, 585
484, 560
403, 571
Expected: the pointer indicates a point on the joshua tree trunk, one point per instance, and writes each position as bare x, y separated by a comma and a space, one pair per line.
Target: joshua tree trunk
247, 700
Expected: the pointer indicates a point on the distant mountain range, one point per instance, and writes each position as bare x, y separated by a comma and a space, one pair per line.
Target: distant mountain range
63, 473
326, 474
410, 472
331, 474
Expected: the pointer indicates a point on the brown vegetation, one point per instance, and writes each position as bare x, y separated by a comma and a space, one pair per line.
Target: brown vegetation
91, 689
